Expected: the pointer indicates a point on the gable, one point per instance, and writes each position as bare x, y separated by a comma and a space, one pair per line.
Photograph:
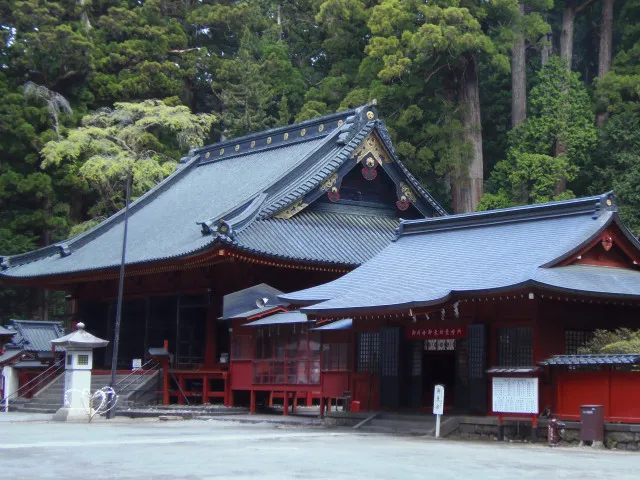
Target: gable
372, 177
610, 248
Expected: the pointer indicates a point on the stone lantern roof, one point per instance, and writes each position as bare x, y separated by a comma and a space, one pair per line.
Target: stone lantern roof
80, 338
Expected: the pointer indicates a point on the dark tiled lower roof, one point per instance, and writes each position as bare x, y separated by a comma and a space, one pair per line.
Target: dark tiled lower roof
435, 260
35, 335
336, 237
6, 331
521, 370
600, 359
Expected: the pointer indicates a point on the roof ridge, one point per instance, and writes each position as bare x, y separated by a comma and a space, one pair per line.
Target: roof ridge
282, 129
594, 205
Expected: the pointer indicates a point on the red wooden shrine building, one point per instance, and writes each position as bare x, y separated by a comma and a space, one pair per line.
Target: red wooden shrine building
460, 299
291, 207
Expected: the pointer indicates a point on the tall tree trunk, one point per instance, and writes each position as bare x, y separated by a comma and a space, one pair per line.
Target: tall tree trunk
84, 17
547, 49
519, 76
467, 183
566, 34
569, 13
606, 47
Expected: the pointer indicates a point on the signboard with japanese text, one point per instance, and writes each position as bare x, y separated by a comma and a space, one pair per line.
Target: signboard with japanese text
515, 395
440, 345
136, 363
414, 333
438, 400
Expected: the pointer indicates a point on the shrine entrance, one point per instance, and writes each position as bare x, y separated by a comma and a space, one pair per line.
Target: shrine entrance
438, 357
438, 368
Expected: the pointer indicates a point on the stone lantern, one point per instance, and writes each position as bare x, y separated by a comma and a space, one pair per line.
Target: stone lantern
79, 347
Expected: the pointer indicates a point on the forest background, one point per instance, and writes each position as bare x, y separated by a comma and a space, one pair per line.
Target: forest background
491, 103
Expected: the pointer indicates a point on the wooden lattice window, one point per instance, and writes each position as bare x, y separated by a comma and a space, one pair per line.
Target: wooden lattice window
241, 347
368, 352
575, 339
335, 357
515, 347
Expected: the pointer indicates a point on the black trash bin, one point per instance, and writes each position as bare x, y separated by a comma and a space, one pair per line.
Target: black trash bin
347, 401
591, 423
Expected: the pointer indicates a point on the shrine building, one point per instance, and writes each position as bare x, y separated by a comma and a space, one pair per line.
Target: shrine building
292, 207
477, 302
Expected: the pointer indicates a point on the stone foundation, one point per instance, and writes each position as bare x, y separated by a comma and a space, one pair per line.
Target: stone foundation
616, 436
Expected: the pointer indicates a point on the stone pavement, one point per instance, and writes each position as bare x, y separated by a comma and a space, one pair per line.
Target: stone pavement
202, 449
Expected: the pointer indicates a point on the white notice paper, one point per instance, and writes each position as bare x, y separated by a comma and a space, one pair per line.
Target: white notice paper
515, 395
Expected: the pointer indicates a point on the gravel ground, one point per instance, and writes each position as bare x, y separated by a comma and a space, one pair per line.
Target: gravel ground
31, 448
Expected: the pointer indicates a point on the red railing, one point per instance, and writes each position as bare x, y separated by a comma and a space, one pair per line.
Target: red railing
286, 372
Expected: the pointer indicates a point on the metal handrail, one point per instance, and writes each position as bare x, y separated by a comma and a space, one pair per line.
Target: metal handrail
38, 379
132, 374
155, 367
184, 395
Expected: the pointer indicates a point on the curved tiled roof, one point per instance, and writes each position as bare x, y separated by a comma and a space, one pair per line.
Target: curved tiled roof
434, 260
241, 183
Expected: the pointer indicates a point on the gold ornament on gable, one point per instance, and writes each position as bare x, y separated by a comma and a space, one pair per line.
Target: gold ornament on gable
407, 193
329, 182
372, 149
291, 210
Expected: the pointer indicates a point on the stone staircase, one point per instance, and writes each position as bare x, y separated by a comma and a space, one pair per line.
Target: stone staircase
134, 389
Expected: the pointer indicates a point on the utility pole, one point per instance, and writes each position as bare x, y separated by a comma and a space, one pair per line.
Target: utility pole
111, 413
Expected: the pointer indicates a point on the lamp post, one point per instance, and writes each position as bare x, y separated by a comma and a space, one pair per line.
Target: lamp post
111, 413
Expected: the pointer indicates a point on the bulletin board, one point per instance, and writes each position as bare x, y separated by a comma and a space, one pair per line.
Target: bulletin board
515, 395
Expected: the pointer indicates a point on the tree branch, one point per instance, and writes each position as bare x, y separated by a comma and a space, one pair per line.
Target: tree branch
584, 5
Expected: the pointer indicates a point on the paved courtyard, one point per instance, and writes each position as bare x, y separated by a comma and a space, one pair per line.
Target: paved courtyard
148, 449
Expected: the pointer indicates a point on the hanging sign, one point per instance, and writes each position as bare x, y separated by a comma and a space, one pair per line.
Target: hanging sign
440, 345
413, 333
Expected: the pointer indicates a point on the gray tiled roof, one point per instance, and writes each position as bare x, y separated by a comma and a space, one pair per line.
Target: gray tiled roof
242, 304
598, 359
434, 260
6, 331
10, 354
348, 238
36, 335
242, 182
281, 318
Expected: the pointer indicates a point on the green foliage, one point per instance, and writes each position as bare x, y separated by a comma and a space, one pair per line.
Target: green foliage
258, 64
622, 340
559, 113
132, 138
617, 164
551, 147
527, 178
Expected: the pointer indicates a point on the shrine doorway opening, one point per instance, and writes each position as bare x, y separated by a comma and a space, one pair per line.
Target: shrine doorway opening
438, 368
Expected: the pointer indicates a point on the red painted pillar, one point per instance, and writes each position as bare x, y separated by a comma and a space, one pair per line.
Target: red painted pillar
211, 339
252, 405
165, 375
295, 402
205, 389
309, 399
286, 403
228, 393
